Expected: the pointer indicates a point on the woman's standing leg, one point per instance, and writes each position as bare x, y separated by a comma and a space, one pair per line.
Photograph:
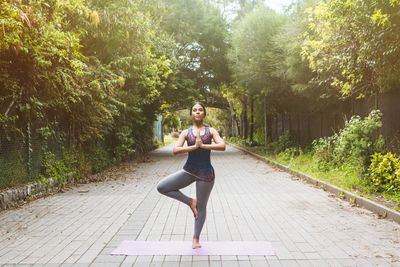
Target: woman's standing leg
171, 184
203, 190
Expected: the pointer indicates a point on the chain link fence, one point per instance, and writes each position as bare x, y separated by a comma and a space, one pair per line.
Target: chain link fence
21, 157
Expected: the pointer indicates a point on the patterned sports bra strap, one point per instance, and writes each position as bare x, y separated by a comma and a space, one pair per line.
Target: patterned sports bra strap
206, 130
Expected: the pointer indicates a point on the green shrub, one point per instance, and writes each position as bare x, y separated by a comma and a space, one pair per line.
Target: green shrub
357, 139
99, 159
355, 142
384, 172
259, 137
324, 149
284, 141
125, 143
56, 169
77, 161
236, 140
243, 142
290, 153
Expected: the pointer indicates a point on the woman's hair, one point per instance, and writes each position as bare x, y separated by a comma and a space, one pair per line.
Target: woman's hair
198, 103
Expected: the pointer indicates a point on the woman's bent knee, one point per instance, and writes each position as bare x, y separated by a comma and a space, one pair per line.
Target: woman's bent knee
161, 189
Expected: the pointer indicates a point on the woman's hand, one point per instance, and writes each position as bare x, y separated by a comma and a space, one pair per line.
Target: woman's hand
219, 142
199, 142
179, 148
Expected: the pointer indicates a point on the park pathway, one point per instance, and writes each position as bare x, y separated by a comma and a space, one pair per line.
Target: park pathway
250, 201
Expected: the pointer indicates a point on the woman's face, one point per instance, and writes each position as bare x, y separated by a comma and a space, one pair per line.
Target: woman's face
197, 113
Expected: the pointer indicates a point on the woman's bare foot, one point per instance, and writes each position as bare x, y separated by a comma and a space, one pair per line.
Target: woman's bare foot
196, 243
193, 206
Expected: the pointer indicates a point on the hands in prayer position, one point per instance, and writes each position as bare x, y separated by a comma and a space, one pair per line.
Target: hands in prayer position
199, 142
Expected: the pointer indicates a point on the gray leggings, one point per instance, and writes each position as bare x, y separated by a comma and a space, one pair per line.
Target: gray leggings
170, 186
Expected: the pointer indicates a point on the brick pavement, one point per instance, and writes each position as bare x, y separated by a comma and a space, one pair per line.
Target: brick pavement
250, 201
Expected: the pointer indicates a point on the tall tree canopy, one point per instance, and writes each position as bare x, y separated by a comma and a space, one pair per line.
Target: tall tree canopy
201, 34
353, 45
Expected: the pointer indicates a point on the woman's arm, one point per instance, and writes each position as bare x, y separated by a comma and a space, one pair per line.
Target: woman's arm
219, 142
179, 148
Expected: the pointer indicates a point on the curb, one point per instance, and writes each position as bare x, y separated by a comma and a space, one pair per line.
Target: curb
17, 196
380, 210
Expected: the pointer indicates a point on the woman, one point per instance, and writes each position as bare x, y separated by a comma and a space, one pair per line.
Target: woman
197, 169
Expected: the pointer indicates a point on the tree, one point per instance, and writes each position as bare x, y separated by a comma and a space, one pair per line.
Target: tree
353, 45
255, 56
202, 42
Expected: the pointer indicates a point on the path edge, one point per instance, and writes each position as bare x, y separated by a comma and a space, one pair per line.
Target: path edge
381, 210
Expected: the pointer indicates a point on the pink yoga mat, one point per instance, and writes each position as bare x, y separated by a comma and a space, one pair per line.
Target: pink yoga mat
131, 247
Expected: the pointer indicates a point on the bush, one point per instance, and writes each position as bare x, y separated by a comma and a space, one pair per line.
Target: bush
280, 145
290, 153
324, 150
236, 140
384, 172
259, 137
355, 142
99, 159
76, 160
125, 144
243, 142
56, 169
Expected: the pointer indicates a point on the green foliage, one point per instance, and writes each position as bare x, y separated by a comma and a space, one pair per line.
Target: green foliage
201, 34
13, 170
99, 159
39, 49
77, 161
56, 169
324, 151
259, 136
353, 45
237, 140
171, 121
290, 153
255, 54
241, 141
357, 139
349, 176
384, 172
281, 144
355, 142
217, 118
125, 146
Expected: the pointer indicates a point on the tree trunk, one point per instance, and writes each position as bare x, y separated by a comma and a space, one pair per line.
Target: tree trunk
244, 117
251, 119
265, 122
299, 141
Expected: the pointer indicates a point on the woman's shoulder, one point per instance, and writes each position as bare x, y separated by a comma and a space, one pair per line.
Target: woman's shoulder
212, 130
184, 132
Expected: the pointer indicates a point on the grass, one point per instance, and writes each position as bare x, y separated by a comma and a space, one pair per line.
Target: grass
168, 139
348, 176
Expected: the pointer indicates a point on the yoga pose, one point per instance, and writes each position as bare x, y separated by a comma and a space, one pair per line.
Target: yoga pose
197, 169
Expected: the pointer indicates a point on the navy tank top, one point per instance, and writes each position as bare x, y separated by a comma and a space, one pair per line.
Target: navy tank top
198, 162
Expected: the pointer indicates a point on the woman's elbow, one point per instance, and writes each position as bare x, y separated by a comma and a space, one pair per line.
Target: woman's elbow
176, 151
223, 147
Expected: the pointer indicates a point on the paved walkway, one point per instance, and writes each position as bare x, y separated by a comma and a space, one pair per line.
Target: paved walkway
250, 201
